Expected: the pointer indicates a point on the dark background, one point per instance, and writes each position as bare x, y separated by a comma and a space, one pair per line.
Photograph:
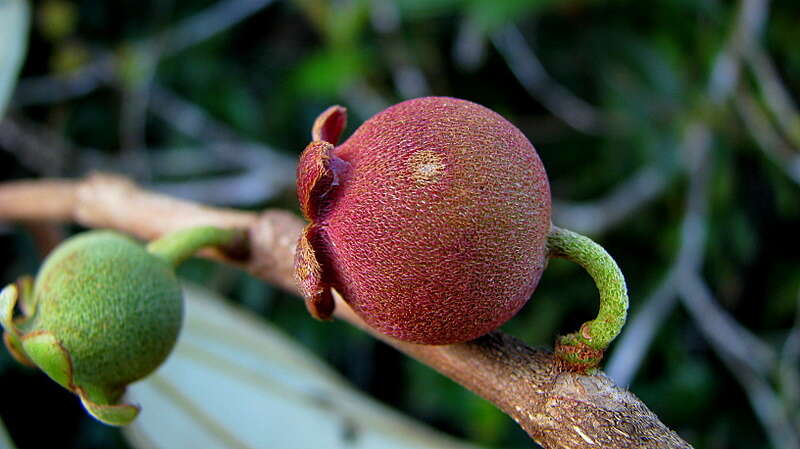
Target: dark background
669, 130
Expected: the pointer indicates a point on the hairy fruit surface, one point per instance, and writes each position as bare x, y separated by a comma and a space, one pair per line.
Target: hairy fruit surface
431, 220
115, 307
102, 313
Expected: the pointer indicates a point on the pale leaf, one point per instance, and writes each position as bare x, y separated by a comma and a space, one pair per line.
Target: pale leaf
234, 381
14, 21
5, 440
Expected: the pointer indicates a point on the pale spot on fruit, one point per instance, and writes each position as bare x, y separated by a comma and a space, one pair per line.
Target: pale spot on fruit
426, 166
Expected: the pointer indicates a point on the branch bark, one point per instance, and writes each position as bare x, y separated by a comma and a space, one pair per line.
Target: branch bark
558, 408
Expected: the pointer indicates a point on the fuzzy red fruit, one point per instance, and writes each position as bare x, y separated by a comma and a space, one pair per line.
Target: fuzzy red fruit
431, 219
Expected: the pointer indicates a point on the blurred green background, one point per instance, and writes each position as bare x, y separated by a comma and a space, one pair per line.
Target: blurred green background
669, 130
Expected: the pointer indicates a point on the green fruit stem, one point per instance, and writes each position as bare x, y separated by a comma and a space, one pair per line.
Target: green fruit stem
180, 245
584, 349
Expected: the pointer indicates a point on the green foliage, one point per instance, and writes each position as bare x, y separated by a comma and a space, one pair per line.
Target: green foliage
326, 73
643, 69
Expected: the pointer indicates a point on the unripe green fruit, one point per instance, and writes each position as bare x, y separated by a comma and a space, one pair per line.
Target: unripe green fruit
116, 308
103, 312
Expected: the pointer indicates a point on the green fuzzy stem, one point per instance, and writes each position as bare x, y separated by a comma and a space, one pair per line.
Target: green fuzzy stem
584, 349
180, 245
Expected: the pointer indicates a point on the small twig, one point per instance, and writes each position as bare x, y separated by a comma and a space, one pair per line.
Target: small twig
649, 182
363, 99
35, 147
716, 324
469, 46
634, 343
252, 186
103, 71
209, 22
557, 408
598, 216
789, 368
196, 123
534, 78
641, 330
46, 152
726, 67
261, 174
768, 407
384, 16
192, 161
141, 62
743, 45
748, 359
409, 79
766, 138
267, 172
54, 89
777, 97
722, 330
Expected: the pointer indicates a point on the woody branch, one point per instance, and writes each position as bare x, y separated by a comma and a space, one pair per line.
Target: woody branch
557, 408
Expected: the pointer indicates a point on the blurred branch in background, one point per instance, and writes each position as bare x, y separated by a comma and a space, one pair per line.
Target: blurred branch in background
789, 369
747, 30
408, 78
260, 173
136, 72
733, 345
634, 343
364, 99
55, 88
716, 324
36, 147
777, 97
597, 216
269, 176
530, 72
213, 20
765, 136
265, 172
104, 69
749, 359
469, 49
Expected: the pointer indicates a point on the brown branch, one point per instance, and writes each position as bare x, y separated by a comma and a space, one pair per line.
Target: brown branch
558, 409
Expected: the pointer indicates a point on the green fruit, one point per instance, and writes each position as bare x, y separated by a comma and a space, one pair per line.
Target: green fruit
115, 307
103, 313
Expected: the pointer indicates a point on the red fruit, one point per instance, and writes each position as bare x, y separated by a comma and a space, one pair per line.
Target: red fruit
431, 220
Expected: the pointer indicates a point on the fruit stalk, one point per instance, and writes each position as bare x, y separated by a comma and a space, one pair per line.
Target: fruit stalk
584, 349
178, 246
